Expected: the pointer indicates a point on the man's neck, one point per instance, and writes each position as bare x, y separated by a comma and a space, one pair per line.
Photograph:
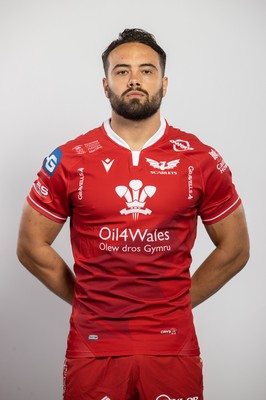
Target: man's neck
135, 133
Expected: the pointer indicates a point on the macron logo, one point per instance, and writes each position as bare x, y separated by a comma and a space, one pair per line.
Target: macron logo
107, 164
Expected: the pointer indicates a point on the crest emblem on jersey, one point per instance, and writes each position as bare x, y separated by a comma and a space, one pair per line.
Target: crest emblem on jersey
135, 195
181, 145
162, 165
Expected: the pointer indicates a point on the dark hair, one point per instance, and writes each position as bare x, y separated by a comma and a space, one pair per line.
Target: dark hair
138, 36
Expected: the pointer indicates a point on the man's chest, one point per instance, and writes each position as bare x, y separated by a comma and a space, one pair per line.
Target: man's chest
134, 185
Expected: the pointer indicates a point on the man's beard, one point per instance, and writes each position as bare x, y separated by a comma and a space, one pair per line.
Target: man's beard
134, 109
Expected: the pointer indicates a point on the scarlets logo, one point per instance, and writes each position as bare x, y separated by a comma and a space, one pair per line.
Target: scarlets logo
135, 196
163, 165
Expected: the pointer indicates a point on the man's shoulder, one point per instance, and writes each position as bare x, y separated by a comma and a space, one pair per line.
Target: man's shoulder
183, 141
73, 151
87, 142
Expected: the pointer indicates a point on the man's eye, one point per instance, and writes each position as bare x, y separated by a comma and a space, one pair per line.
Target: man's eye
122, 72
147, 72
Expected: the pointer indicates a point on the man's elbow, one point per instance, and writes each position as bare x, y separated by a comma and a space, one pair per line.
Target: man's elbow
243, 256
246, 256
22, 253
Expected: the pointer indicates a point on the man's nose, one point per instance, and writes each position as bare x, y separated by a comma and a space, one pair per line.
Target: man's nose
134, 81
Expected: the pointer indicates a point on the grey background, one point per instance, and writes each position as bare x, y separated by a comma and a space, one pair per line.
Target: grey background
51, 91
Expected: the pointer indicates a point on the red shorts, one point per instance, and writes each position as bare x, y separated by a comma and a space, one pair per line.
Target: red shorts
137, 377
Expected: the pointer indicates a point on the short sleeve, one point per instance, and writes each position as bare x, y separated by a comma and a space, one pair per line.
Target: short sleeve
220, 197
48, 194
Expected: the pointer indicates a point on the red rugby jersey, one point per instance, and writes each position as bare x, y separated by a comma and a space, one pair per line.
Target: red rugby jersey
133, 218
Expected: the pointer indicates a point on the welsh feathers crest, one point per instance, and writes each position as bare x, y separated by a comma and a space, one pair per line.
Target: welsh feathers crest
135, 195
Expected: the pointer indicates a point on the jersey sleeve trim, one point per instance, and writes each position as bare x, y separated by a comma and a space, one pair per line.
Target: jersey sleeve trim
45, 212
218, 217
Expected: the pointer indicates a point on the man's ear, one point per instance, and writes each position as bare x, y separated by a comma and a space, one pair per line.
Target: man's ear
105, 87
165, 85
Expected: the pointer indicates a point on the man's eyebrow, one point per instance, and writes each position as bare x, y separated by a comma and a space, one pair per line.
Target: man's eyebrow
141, 65
149, 65
121, 66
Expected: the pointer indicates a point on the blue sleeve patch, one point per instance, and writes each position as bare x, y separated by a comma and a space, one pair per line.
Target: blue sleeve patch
52, 161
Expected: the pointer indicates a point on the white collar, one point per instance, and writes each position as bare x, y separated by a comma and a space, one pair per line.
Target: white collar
116, 138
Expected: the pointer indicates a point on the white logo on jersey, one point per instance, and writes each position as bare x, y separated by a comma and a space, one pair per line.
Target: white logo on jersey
163, 397
93, 146
181, 145
51, 163
214, 154
79, 149
107, 164
135, 198
81, 183
162, 165
93, 337
221, 165
42, 190
190, 182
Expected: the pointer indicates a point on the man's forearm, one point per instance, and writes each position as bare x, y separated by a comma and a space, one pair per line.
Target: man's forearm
214, 273
231, 240
46, 265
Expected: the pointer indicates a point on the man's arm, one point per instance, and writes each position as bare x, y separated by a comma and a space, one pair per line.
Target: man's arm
230, 237
35, 252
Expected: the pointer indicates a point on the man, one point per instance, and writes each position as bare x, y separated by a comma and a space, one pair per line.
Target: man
133, 189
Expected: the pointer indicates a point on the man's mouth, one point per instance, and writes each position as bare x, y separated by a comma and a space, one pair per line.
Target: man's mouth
135, 93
